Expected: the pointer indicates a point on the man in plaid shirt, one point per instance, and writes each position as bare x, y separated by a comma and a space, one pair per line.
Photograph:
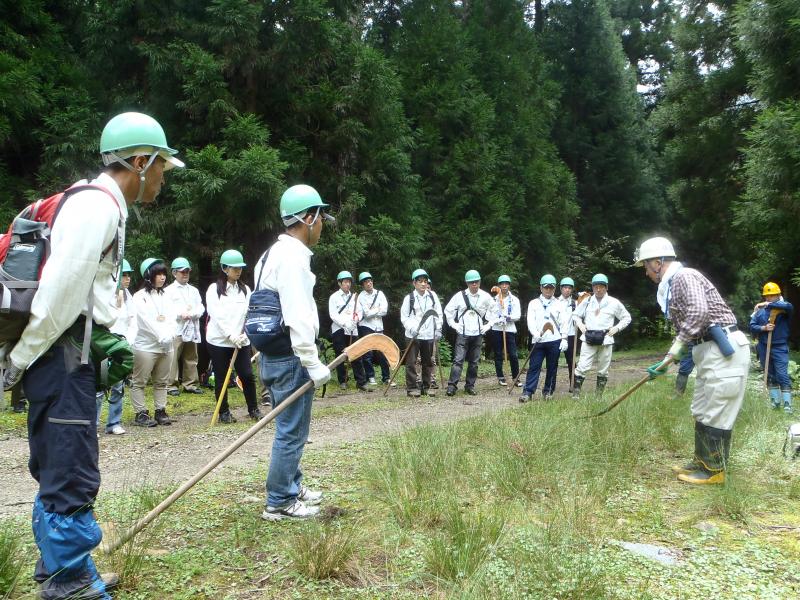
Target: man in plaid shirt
721, 354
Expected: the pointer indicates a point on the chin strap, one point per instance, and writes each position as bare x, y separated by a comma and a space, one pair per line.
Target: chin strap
142, 174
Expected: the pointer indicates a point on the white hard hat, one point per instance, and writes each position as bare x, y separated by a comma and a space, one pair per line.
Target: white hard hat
657, 247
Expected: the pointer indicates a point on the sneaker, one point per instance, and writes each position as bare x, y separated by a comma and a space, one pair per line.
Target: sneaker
115, 430
519, 384
143, 419
470, 391
371, 381
309, 497
524, 398
173, 393
385, 381
451, 391
227, 418
502, 381
194, 391
787, 408
162, 418
413, 393
298, 510
363, 388
342, 386
255, 415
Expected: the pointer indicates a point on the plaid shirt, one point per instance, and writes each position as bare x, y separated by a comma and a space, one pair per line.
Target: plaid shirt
695, 304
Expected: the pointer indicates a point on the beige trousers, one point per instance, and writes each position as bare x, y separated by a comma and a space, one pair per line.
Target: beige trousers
588, 356
185, 352
147, 365
720, 384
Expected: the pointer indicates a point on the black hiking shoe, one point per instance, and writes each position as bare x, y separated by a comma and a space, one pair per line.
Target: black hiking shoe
471, 391
255, 414
227, 418
143, 419
162, 418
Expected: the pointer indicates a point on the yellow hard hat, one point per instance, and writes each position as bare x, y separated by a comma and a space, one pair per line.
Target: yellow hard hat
770, 289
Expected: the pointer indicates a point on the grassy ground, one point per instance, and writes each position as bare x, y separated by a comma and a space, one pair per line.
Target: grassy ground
529, 503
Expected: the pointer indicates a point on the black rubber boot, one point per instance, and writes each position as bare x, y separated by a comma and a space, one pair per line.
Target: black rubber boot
712, 456
576, 389
602, 380
681, 381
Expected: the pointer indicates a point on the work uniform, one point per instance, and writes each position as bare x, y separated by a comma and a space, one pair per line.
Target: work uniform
693, 306
467, 320
152, 348
185, 299
414, 306
287, 271
85, 254
226, 314
541, 311
780, 386
373, 307
503, 334
345, 315
599, 315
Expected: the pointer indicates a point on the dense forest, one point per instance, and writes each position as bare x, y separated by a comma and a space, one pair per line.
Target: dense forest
507, 136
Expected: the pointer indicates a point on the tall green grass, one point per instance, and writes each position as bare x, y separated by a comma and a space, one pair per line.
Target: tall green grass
12, 558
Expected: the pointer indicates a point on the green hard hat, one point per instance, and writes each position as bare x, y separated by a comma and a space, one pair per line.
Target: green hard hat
344, 275
126, 266
364, 275
547, 280
420, 273
504, 279
600, 278
232, 258
147, 263
472, 275
180, 263
298, 199
132, 133
567, 281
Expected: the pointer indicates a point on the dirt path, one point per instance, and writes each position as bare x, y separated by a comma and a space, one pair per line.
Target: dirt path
173, 454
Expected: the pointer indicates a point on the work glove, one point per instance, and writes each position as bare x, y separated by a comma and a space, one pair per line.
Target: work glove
562, 347
657, 369
12, 375
678, 350
612, 332
319, 374
238, 339
486, 327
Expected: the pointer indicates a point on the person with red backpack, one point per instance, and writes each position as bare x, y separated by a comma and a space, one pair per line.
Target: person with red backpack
71, 307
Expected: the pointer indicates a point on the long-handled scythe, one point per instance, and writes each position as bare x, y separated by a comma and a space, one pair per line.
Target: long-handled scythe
636, 386
361, 346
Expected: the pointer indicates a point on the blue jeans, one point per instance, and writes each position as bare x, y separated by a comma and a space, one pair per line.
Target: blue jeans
543, 351
115, 396
283, 375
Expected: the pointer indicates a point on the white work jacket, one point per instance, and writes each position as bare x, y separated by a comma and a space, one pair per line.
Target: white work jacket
287, 271
413, 307
602, 315
88, 224
568, 308
154, 321
344, 312
373, 307
186, 299
508, 314
125, 324
541, 311
226, 314
468, 320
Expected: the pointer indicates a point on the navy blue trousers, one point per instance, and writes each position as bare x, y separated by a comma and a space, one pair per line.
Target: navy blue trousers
511, 348
548, 353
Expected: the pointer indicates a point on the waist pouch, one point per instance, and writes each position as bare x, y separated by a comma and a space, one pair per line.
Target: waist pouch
595, 337
110, 354
264, 324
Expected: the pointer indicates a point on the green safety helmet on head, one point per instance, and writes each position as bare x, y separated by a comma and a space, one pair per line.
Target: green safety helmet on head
567, 281
298, 199
420, 273
135, 134
344, 275
126, 267
600, 279
472, 275
547, 280
231, 258
147, 263
504, 279
364, 275
180, 263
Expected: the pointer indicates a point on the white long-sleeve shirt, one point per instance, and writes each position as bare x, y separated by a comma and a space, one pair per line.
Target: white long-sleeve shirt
154, 321
411, 314
287, 271
541, 311
602, 315
185, 298
569, 305
511, 309
344, 312
226, 314
88, 223
373, 307
470, 319
125, 324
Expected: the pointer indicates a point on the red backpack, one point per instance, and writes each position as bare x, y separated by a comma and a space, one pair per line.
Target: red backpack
24, 250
